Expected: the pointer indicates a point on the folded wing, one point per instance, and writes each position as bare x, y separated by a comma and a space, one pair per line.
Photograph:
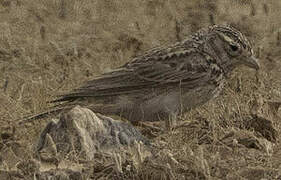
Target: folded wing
163, 67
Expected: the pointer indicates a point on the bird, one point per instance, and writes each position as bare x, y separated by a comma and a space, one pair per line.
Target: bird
166, 80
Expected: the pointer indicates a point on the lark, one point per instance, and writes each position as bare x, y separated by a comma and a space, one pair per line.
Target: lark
167, 80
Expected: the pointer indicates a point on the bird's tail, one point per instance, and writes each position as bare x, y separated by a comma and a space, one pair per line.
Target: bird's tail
57, 109
53, 111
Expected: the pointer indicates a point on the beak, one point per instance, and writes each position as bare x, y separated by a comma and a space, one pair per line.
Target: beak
252, 62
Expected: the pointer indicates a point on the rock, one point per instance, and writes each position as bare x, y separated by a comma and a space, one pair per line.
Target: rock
263, 127
82, 132
247, 139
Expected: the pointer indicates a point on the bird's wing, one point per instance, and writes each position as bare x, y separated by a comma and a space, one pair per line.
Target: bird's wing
154, 69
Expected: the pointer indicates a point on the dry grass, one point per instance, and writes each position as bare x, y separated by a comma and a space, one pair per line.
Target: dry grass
51, 46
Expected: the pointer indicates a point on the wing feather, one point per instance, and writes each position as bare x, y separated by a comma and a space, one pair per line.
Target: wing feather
168, 66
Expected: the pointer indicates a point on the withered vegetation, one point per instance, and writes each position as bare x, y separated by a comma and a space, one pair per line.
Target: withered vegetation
48, 47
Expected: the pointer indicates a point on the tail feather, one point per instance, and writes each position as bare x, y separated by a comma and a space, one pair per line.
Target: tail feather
53, 111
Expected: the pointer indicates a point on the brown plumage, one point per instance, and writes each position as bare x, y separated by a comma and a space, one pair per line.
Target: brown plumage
166, 80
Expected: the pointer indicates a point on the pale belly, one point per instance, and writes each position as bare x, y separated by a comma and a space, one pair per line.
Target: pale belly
168, 105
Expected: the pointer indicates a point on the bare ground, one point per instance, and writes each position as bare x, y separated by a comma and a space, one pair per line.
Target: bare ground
48, 47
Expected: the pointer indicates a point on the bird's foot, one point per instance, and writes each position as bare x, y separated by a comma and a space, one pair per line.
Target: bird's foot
151, 129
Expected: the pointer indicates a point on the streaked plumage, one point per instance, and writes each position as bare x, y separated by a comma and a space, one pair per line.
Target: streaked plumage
169, 79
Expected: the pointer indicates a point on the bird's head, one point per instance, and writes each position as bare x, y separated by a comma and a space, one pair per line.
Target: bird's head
232, 47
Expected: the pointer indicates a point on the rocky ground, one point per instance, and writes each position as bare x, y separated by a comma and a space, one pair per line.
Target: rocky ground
48, 47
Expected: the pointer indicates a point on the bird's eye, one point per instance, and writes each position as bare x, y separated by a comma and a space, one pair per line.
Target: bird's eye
233, 47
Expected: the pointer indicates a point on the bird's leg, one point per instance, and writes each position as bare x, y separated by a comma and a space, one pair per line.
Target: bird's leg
171, 122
